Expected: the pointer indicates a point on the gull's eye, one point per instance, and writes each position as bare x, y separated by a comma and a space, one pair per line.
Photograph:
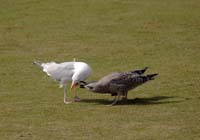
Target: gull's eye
82, 85
90, 87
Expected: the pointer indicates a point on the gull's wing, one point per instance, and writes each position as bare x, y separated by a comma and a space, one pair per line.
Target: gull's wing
124, 77
62, 71
126, 81
115, 88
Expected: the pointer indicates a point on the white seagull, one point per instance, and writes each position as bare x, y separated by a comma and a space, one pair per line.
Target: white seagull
67, 71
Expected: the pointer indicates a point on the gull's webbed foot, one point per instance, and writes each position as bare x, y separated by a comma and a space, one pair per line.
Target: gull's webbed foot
77, 99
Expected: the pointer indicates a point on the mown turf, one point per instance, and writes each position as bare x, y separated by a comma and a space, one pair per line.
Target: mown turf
111, 35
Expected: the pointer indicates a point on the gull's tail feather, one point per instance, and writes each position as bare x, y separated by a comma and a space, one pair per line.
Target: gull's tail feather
38, 63
151, 76
140, 71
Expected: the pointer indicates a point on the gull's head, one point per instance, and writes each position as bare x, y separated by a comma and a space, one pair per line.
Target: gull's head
89, 86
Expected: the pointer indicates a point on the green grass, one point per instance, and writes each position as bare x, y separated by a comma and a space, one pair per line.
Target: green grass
111, 35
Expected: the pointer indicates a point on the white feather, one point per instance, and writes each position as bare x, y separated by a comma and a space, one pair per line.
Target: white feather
67, 71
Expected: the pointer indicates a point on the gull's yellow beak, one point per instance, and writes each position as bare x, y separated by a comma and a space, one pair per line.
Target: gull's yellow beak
73, 86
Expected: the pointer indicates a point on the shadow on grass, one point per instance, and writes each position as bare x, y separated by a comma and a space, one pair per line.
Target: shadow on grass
137, 101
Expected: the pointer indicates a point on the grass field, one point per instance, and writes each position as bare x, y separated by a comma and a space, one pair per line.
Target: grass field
110, 35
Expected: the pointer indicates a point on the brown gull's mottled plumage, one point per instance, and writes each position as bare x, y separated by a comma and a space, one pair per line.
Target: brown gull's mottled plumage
119, 83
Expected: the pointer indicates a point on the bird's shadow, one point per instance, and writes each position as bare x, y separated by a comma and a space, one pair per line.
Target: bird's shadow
137, 101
